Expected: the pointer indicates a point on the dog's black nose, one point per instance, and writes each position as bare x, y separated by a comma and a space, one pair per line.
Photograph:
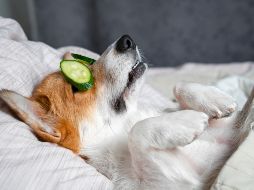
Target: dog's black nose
125, 43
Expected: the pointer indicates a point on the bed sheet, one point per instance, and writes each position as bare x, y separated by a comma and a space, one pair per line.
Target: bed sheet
25, 162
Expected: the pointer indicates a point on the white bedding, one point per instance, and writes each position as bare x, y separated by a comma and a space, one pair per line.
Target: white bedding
25, 162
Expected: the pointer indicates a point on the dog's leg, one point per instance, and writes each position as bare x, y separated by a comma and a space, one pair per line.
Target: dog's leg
207, 99
164, 133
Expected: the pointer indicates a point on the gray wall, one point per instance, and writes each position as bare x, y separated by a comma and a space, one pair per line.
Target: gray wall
170, 32
4, 8
23, 12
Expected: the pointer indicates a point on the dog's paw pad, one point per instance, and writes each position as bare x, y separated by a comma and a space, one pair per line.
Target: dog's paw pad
231, 108
223, 107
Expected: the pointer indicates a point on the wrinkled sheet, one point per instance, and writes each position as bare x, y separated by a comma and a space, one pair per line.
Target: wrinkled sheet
26, 163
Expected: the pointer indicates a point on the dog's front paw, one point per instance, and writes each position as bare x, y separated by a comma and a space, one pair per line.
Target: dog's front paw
188, 125
207, 99
168, 130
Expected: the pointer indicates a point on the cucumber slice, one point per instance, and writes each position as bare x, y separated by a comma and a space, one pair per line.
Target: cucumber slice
77, 74
83, 59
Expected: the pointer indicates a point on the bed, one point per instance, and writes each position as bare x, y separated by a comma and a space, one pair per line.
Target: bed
26, 163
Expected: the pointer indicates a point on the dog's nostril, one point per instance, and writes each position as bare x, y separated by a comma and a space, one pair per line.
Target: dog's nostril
128, 43
125, 43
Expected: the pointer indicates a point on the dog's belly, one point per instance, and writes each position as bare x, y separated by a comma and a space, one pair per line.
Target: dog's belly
193, 164
190, 165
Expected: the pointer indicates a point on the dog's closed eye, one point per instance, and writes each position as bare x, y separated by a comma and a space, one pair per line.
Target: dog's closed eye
74, 89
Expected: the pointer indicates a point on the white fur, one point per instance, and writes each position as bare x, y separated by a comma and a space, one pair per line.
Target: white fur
145, 148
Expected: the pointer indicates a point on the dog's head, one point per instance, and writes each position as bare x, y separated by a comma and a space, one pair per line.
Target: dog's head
55, 109
122, 71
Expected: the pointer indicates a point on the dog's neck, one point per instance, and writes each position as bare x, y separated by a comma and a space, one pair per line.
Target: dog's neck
106, 124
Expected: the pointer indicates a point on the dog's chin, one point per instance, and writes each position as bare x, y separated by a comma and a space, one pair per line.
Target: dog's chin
136, 73
119, 103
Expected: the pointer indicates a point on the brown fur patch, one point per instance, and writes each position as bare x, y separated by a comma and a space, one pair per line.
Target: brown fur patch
55, 103
62, 109
69, 135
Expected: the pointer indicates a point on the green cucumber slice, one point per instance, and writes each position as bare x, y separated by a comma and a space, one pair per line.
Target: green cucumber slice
83, 59
77, 74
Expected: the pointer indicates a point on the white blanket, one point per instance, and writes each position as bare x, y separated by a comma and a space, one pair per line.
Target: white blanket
25, 162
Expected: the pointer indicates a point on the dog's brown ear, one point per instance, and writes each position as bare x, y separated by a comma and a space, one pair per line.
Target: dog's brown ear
44, 102
31, 112
35, 112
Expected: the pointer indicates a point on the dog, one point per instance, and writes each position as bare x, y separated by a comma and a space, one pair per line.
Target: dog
136, 145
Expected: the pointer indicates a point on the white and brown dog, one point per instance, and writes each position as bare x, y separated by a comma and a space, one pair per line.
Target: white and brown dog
134, 145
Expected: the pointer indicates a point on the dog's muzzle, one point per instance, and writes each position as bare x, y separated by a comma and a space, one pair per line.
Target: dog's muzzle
126, 44
137, 71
